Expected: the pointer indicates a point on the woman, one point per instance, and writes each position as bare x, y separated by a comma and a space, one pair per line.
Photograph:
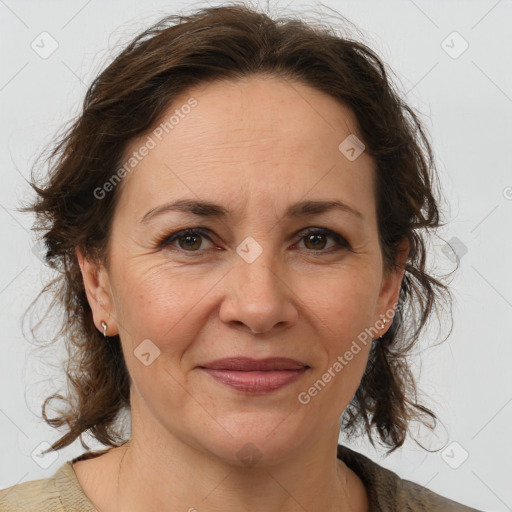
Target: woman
238, 219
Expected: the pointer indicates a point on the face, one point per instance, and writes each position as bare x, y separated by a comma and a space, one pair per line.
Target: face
264, 279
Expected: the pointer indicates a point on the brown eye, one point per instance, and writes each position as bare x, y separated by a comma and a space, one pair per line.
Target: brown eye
315, 240
189, 240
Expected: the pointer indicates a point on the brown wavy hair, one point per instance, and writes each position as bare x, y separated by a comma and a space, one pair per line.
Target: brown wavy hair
131, 94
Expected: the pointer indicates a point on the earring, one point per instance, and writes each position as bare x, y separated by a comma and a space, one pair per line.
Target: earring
105, 327
384, 322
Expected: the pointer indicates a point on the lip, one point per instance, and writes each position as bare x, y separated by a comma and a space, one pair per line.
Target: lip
255, 375
248, 364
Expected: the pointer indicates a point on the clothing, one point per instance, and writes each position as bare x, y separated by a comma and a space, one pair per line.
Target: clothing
387, 491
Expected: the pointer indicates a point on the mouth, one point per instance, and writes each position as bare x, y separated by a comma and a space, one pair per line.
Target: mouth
255, 376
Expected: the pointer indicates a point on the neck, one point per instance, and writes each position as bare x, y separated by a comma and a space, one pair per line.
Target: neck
164, 474
143, 484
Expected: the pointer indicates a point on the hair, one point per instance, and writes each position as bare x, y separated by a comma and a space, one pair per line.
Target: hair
129, 96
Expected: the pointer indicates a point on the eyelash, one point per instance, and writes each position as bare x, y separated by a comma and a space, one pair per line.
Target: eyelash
167, 240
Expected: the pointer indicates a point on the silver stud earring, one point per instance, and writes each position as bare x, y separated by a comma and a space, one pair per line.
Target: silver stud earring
105, 327
384, 322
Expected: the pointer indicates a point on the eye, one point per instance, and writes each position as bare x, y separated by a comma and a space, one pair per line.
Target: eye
314, 240
190, 240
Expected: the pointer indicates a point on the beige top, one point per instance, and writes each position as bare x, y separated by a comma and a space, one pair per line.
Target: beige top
386, 490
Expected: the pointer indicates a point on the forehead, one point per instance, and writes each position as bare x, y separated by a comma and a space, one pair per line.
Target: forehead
263, 139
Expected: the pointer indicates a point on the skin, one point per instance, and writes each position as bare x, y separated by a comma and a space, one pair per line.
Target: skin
254, 146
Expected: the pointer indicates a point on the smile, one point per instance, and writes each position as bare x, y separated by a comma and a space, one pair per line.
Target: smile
255, 376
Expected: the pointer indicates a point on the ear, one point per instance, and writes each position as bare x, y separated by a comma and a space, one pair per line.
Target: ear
99, 293
390, 289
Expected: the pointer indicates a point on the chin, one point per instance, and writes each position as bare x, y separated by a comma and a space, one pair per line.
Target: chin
268, 443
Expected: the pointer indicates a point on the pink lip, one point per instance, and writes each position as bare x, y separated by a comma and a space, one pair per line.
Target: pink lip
255, 376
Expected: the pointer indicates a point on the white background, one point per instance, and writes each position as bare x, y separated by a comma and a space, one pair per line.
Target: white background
466, 103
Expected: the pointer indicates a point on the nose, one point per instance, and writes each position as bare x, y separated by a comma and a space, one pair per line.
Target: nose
257, 296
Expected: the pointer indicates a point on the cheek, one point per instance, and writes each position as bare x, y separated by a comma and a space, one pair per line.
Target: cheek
158, 301
344, 308
156, 308
344, 304
157, 313
345, 313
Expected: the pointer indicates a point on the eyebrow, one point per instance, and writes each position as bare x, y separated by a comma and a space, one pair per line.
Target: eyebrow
209, 209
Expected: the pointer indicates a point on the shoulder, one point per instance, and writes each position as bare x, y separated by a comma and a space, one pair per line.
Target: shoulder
58, 493
421, 498
36, 495
389, 492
